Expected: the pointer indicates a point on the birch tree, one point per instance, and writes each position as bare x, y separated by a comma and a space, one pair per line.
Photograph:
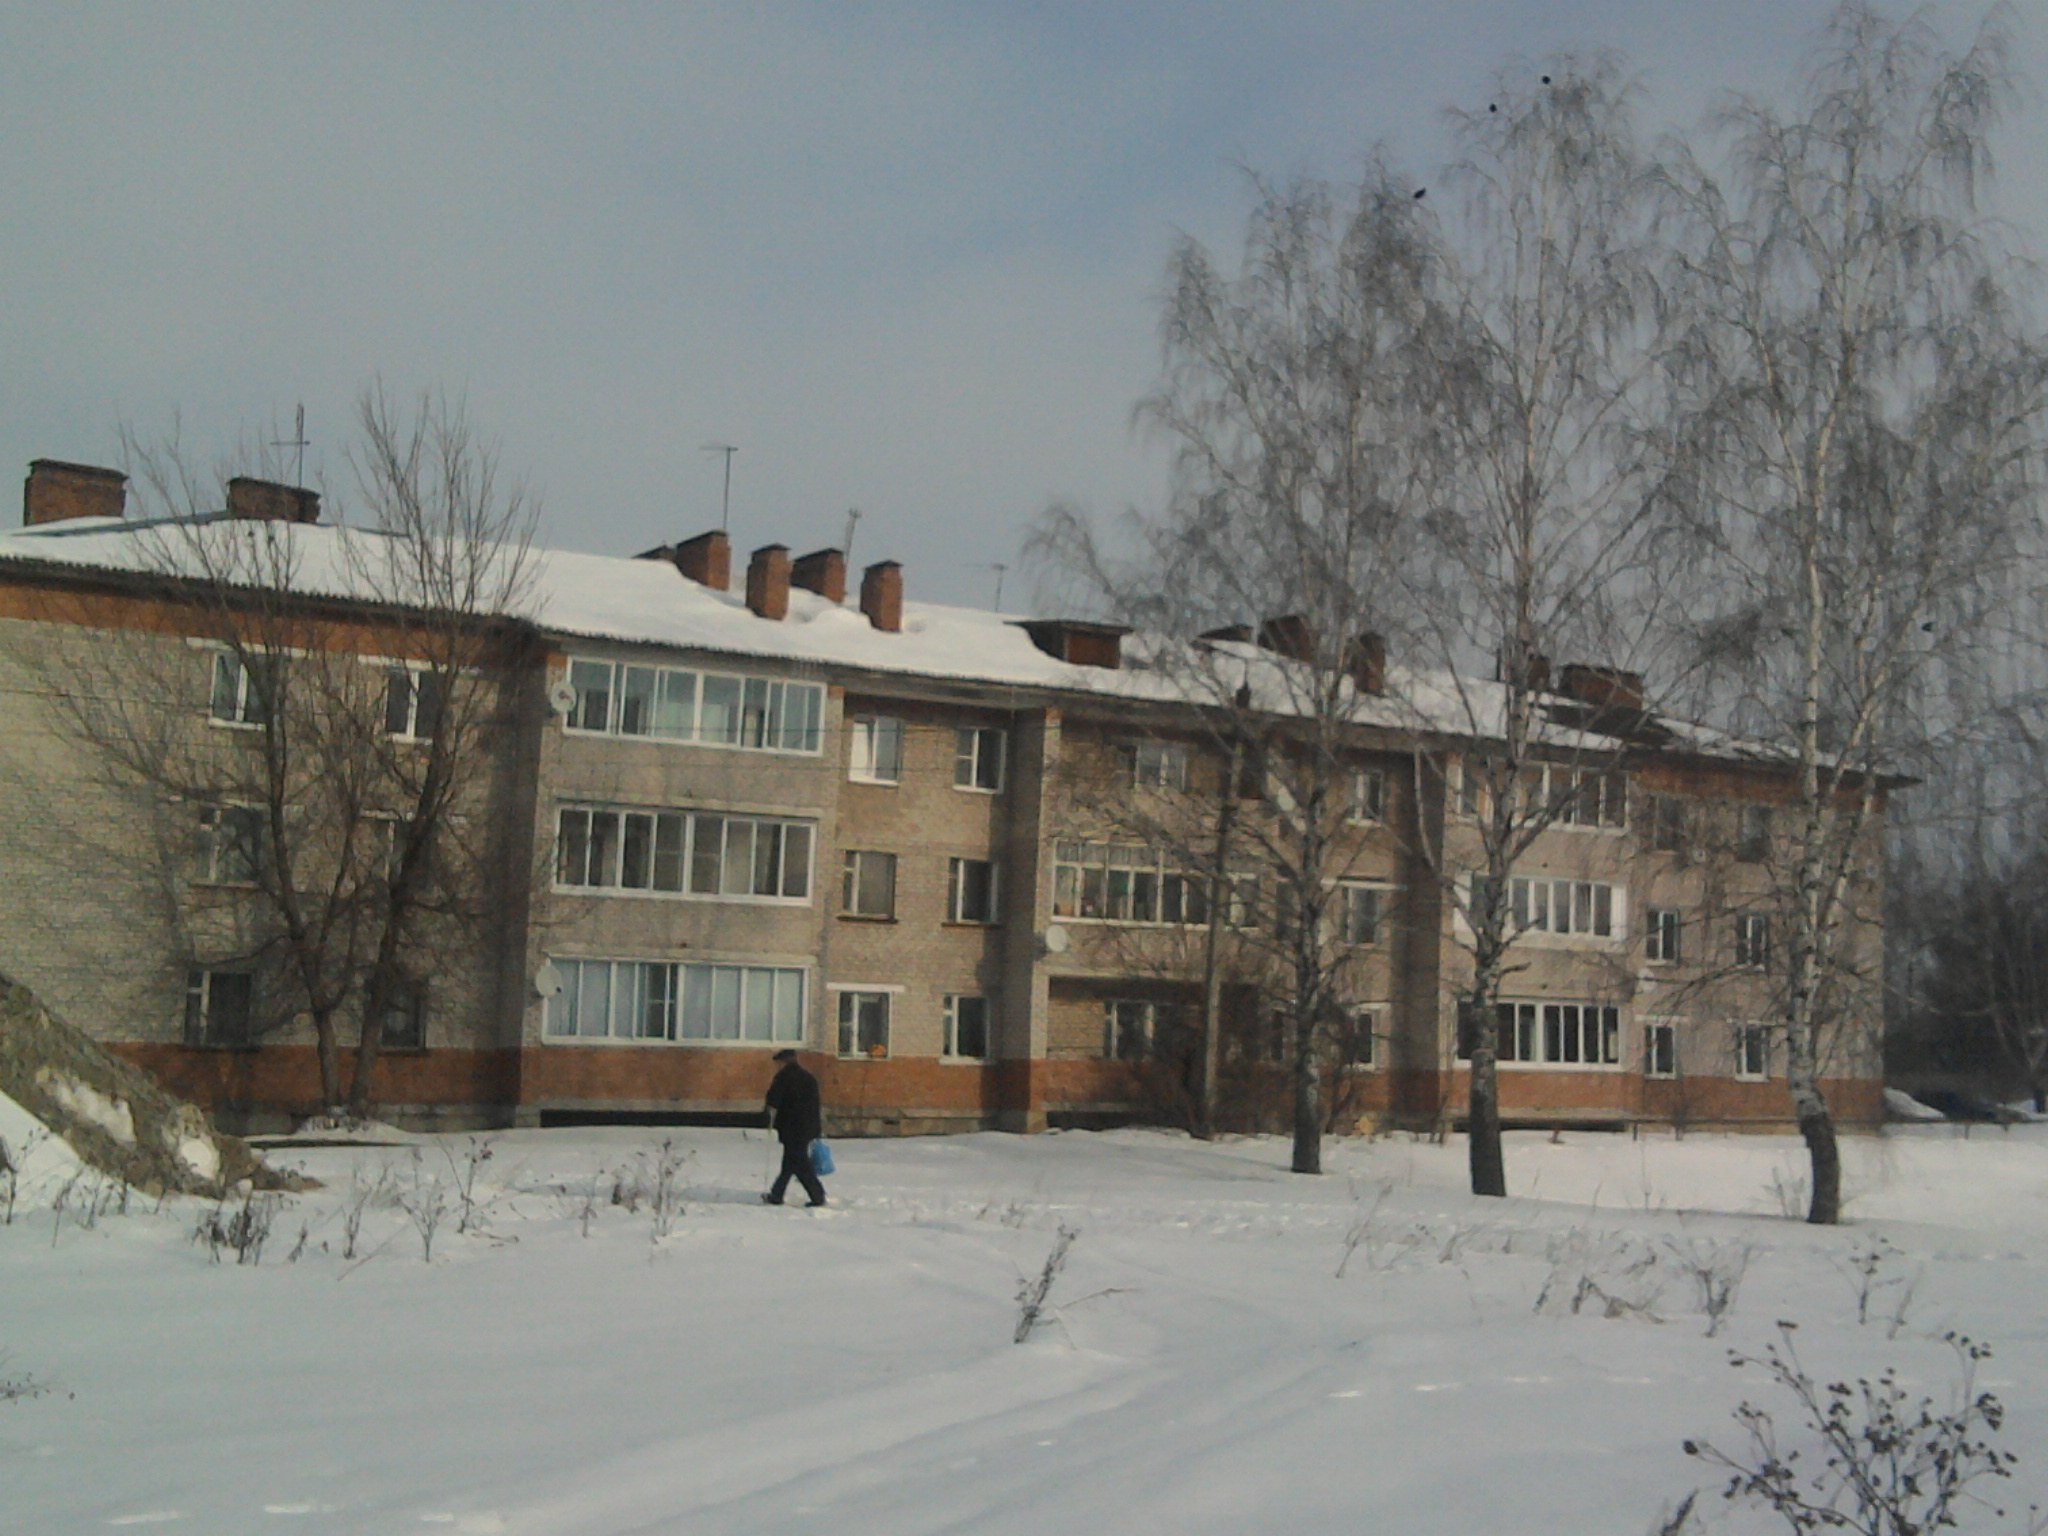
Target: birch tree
1538, 542
1859, 403
1294, 490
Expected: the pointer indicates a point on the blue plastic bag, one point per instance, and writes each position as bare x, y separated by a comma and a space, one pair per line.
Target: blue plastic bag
821, 1159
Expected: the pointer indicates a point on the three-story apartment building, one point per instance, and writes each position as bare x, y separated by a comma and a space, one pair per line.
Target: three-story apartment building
959, 857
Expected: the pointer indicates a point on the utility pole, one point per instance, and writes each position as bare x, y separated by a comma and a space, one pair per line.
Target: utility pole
725, 503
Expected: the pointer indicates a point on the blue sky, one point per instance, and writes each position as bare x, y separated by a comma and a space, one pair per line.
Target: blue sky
907, 258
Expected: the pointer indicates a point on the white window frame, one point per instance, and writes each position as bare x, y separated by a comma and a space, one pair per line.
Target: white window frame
1362, 1024
1351, 896
1563, 907
851, 884
218, 845
1557, 790
1129, 1028
1755, 825
1469, 797
956, 892
768, 1003
414, 676
1159, 765
852, 1001
867, 760
1553, 1034
1752, 941
1668, 824
1667, 1031
200, 999
662, 833
411, 1005
978, 753
1123, 879
950, 1047
244, 713
1565, 787
780, 715
1366, 797
1753, 1050
1664, 936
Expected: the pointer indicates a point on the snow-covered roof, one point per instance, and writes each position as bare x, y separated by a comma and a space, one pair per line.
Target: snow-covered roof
648, 602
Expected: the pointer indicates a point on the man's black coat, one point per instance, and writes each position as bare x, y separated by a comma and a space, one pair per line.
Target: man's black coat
794, 1107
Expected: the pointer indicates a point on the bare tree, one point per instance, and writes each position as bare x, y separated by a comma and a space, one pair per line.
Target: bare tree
322, 820
1258, 582
1859, 400
1538, 542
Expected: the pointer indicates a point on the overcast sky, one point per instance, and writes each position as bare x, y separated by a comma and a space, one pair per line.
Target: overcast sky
907, 258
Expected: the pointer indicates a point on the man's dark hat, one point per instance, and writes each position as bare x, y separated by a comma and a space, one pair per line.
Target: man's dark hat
785, 1055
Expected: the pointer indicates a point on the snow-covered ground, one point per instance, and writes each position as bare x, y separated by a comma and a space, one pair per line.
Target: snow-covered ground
567, 1366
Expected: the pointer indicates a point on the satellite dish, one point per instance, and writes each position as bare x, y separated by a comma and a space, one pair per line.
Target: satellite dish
562, 697
547, 981
1055, 940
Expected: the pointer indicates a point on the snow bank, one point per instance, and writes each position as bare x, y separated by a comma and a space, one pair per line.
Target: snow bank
43, 1163
87, 1103
1903, 1106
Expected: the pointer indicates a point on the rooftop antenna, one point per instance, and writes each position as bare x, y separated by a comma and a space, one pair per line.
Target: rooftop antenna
297, 440
725, 504
846, 540
998, 567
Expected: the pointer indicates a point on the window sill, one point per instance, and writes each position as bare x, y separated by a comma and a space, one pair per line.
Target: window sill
636, 893
874, 783
968, 922
976, 789
662, 1042
865, 917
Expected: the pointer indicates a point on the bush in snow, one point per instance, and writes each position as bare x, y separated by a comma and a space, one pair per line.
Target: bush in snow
1032, 1293
1888, 1465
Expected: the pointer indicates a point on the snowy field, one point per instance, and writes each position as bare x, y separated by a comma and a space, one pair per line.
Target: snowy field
1228, 1349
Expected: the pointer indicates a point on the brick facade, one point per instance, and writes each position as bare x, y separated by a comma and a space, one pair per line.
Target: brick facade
980, 772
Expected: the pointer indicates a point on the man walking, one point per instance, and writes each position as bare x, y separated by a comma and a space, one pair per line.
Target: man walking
796, 1112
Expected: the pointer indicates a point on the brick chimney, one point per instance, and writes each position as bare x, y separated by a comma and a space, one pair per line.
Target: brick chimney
1602, 687
1291, 636
56, 492
1366, 660
768, 582
822, 571
1080, 641
881, 595
706, 559
267, 501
